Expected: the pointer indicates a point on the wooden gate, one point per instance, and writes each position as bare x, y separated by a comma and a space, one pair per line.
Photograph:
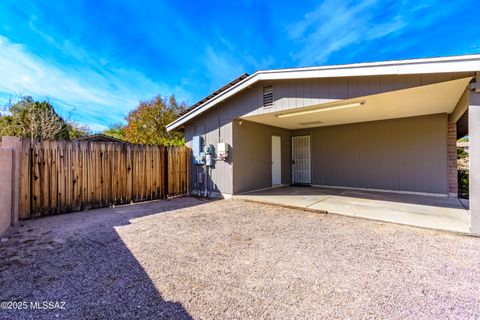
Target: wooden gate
66, 176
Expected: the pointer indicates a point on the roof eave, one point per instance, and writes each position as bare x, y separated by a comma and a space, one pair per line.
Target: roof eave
466, 63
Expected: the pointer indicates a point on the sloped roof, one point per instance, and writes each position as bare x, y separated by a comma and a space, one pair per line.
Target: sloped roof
99, 137
216, 93
464, 63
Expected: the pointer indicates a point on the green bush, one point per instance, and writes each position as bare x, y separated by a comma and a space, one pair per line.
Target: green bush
463, 189
461, 153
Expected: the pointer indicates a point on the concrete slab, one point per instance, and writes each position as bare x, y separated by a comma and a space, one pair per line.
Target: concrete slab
302, 197
430, 212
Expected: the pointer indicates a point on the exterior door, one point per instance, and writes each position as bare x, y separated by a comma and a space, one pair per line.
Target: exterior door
276, 160
301, 160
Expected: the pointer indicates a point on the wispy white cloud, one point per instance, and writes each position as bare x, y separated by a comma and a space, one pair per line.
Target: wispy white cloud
335, 25
86, 57
226, 61
221, 67
101, 94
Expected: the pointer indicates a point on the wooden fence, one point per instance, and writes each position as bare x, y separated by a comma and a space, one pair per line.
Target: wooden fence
65, 176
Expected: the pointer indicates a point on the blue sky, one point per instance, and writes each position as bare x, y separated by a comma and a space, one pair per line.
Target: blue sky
102, 57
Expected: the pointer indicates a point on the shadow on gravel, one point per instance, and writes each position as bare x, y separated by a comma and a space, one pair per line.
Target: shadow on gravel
79, 259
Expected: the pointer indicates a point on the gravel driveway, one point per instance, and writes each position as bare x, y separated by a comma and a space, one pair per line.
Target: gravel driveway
229, 259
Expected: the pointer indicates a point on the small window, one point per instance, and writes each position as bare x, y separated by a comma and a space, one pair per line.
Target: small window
267, 96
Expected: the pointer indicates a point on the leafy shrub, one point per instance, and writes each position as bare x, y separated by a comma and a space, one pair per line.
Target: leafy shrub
463, 189
461, 153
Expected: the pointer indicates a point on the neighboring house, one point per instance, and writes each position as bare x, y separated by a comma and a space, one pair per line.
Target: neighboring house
384, 126
464, 145
100, 137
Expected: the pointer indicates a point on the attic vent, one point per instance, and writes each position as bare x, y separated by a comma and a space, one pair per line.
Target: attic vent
267, 96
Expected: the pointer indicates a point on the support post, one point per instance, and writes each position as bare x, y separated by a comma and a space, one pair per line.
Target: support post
474, 174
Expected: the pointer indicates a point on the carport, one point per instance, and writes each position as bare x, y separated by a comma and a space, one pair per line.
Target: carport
432, 212
385, 156
375, 140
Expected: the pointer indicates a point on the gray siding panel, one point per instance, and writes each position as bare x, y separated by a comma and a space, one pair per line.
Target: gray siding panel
253, 155
216, 126
289, 94
408, 154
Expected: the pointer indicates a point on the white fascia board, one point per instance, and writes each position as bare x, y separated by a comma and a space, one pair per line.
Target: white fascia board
464, 58
375, 69
467, 63
332, 73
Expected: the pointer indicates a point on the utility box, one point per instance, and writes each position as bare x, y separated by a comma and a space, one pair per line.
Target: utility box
208, 160
197, 154
222, 150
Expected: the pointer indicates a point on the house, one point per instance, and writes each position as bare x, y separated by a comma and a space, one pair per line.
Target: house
386, 126
99, 137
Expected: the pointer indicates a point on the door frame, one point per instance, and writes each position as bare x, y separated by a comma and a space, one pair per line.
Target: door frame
280, 159
291, 159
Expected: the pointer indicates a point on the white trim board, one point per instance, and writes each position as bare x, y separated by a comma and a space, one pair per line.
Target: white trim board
465, 63
441, 195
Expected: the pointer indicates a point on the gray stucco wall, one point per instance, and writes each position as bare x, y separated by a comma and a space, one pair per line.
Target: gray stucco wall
408, 154
252, 155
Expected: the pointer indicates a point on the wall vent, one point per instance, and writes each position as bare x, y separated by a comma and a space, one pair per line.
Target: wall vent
267, 96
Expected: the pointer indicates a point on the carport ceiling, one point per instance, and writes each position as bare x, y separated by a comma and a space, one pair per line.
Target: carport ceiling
430, 99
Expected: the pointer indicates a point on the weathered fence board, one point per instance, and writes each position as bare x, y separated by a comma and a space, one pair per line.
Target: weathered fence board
65, 176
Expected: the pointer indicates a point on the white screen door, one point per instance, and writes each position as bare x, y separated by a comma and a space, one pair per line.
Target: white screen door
276, 160
301, 160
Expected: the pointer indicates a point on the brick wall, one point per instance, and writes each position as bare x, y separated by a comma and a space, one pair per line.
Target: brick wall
452, 159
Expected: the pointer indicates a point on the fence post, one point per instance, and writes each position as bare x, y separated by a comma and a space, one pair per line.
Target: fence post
189, 168
166, 159
15, 144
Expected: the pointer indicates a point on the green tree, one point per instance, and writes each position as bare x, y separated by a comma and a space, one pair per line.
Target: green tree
38, 120
146, 124
116, 130
6, 127
77, 130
